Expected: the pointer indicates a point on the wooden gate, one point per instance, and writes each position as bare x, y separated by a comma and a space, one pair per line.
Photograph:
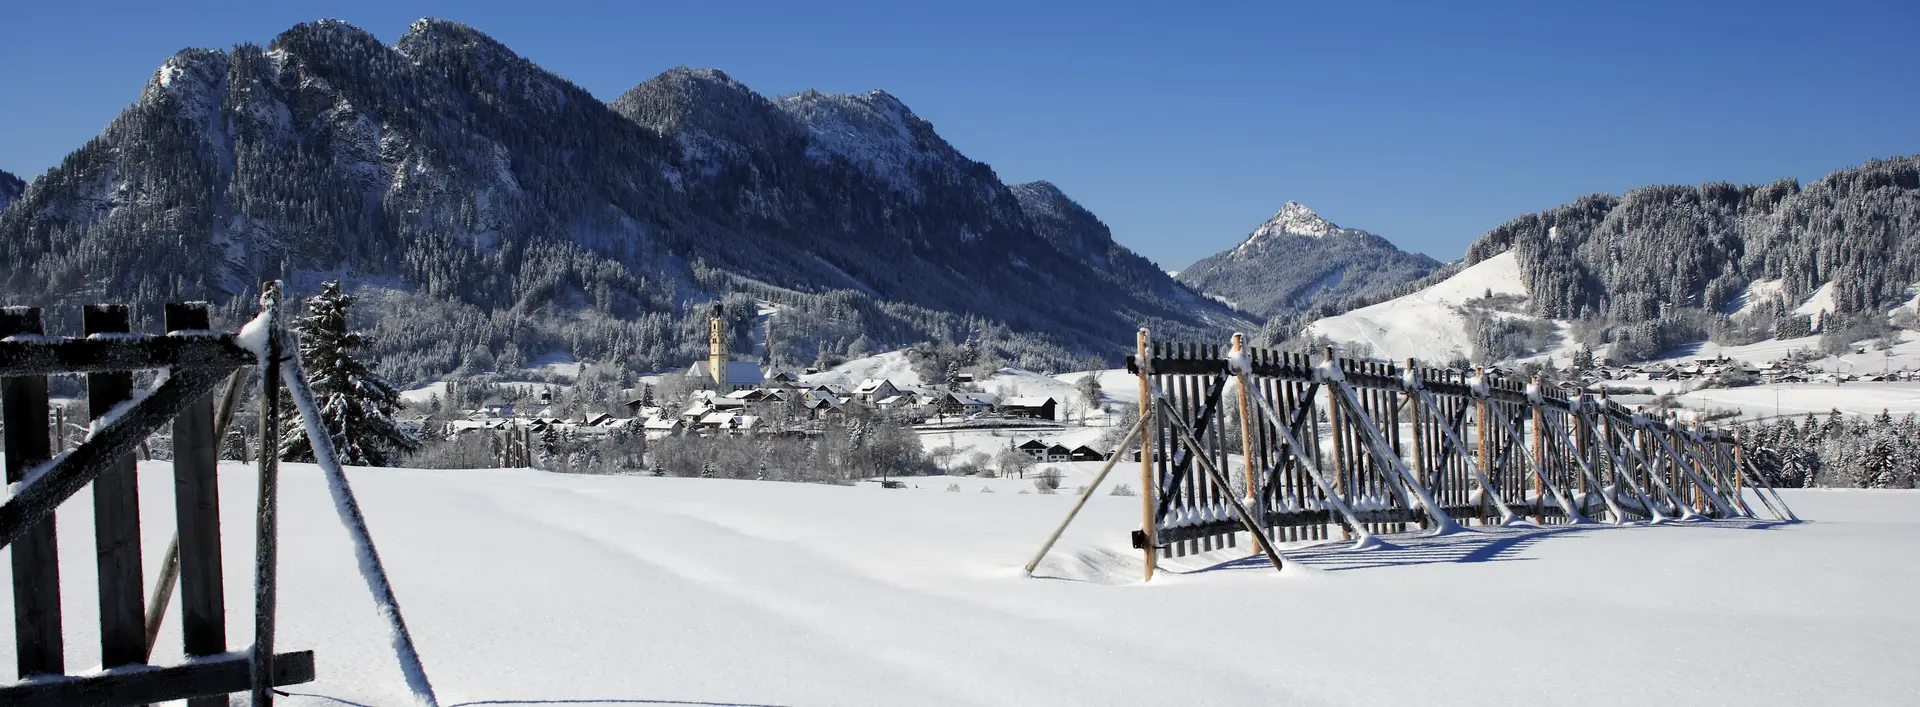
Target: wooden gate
194, 361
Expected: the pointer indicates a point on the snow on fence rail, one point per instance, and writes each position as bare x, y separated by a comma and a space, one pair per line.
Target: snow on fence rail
194, 361
1364, 447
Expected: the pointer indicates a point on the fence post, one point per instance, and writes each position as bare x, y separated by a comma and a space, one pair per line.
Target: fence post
36, 559
1149, 486
116, 512
266, 557
196, 493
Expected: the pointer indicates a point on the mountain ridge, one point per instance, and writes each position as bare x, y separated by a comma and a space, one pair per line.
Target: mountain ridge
472, 186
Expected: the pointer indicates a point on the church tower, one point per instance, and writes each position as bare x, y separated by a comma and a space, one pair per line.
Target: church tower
717, 348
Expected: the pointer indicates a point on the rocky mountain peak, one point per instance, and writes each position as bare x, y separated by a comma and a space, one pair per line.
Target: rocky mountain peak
1293, 219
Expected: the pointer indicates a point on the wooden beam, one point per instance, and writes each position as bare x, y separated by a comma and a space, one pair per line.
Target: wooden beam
39, 648
73, 470
116, 511
196, 500
138, 686
40, 356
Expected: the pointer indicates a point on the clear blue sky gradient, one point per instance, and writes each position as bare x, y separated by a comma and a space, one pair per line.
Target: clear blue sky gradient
1183, 125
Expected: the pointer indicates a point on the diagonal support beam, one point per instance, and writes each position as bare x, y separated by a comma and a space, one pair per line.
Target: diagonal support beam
1226, 490
1292, 457
1685, 461
1183, 464
1673, 499
1479, 475
1565, 438
1559, 497
1298, 450
1444, 523
46, 487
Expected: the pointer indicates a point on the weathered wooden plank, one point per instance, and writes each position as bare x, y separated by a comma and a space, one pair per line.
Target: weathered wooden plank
139, 686
36, 501
39, 355
116, 511
196, 493
39, 648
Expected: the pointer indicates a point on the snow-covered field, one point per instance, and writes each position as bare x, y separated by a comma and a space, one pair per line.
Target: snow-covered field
531, 588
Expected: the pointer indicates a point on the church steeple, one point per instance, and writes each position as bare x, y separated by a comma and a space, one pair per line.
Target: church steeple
717, 347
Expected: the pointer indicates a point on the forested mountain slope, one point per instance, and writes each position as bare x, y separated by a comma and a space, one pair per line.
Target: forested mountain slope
1663, 265
503, 212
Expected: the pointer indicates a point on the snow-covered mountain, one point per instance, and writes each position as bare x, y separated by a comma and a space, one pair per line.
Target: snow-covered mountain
1298, 259
474, 187
10, 188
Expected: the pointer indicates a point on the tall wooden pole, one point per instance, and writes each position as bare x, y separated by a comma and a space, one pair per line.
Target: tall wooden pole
1539, 455
266, 541
1483, 410
1148, 485
1241, 354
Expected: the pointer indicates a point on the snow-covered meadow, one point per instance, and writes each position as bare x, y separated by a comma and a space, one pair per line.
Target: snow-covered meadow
525, 587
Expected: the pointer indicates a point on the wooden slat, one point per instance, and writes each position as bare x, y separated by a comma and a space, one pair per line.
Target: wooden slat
196, 456
39, 648
139, 686
39, 356
74, 469
116, 512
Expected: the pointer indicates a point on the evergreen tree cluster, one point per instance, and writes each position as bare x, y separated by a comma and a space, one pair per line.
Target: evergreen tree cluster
355, 405
10, 188
1837, 451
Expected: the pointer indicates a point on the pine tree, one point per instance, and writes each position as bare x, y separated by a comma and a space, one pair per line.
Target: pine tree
356, 406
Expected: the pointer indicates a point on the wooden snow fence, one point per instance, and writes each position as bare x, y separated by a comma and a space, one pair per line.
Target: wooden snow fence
196, 361
1305, 448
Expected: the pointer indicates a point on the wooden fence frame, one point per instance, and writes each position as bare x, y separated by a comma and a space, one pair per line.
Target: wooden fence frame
1360, 448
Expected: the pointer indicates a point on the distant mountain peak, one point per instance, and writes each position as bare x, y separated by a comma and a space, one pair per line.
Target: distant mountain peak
1274, 272
1293, 219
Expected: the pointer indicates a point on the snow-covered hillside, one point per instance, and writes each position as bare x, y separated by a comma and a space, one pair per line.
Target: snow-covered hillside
539, 589
1427, 324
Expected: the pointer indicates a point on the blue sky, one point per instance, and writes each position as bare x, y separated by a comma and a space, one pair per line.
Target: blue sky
1182, 128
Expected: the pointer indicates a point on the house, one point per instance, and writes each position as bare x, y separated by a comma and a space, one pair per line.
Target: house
1084, 453
1034, 448
595, 419
784, 379
873, 389
498, 410
1034, 407
1059, 453
967, 403
656, 428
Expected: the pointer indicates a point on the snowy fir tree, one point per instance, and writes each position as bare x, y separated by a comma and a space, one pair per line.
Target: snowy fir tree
355, 405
